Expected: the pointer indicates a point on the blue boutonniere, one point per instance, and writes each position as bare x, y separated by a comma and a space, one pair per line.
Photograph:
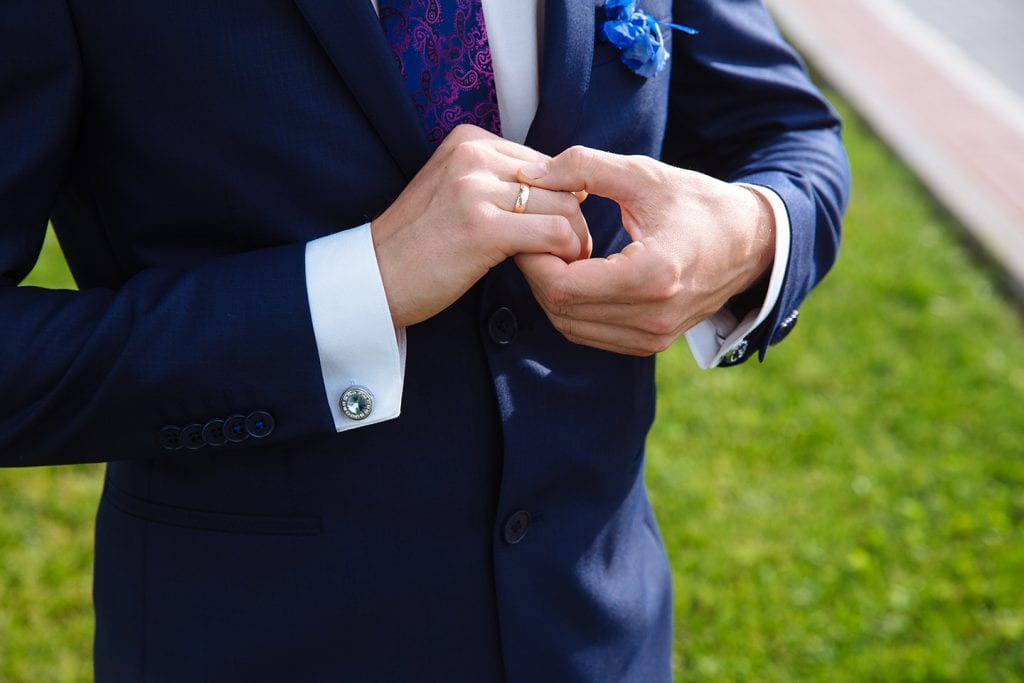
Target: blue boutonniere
638, 36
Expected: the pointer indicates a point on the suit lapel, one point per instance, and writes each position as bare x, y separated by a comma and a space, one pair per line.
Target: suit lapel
351, 35
567, 59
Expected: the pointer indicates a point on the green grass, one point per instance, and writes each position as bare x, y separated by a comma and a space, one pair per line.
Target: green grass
851, 510
46, 517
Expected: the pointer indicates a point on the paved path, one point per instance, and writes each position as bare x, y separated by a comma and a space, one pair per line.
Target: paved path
990, 31
959, 125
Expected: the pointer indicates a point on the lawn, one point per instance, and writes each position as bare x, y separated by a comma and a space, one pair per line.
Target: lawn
851, 510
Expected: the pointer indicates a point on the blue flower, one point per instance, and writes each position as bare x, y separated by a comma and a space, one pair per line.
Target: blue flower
638, 35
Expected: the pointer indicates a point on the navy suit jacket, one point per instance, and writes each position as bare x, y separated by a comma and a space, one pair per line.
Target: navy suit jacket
186, 151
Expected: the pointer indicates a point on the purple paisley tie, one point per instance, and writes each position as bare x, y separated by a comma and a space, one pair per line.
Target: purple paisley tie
441, 48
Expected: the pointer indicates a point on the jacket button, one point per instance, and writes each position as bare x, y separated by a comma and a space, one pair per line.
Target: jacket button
169, 438
192, 436
259, 423
516, 527
234, 429
213, 433
502, 326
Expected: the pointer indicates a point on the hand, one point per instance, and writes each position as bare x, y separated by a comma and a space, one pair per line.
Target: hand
455, 221
697, 242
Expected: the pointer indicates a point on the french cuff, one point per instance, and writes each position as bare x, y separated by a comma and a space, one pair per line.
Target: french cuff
723, 336
362, 354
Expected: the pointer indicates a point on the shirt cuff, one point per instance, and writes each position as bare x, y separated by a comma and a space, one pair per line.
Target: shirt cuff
358, 344
723, 333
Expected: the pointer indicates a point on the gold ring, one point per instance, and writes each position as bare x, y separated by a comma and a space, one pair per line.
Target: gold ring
522, 198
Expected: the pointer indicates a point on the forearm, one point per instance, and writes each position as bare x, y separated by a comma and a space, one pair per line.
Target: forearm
95, 375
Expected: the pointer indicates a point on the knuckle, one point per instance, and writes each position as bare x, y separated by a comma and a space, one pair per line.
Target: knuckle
468, 154
579, 158
462, 133
465, 190
661, 324
665, 282
560, 296
657, 344
570, 332
646, 170
451, 141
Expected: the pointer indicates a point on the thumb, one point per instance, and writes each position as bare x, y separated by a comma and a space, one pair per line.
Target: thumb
584, 170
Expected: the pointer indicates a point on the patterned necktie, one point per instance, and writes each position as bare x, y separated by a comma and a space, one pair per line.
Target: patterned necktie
441, 48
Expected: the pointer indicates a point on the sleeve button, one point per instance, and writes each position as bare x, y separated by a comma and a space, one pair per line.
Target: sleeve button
213, 433
786, 326
170, 438
192, 436
259, 424
234, 429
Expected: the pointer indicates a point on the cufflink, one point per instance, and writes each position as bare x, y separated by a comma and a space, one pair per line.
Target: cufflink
357, 403
735, 354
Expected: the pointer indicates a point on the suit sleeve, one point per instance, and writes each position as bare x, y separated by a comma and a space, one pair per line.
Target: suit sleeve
96, 375
743, 109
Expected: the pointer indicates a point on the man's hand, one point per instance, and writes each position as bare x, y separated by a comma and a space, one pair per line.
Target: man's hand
697, 242
455, 221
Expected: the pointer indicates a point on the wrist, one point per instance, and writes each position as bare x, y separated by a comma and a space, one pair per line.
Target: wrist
758, 241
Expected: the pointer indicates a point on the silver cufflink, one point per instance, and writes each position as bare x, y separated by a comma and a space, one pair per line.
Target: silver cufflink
735, 354
357, 403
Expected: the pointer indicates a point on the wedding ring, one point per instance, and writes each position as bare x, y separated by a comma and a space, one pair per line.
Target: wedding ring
522, 198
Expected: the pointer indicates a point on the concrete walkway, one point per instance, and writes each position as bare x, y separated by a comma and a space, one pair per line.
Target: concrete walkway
943, 83
989, 31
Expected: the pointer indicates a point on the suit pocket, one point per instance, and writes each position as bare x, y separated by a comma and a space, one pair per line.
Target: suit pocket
160, 513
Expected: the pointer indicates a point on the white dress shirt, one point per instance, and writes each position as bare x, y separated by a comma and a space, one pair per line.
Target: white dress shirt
356, 340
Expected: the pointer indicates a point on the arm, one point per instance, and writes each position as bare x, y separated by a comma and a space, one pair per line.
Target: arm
742, 110
95, 375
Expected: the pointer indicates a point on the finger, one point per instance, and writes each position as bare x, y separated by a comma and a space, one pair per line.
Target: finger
541, 201
537, 234
613, 338
648, 318
579, 168
591, 281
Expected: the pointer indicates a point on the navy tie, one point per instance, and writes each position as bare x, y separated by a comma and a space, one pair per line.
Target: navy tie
441, 48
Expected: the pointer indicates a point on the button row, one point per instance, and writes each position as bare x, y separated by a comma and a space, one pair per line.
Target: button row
233, 429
